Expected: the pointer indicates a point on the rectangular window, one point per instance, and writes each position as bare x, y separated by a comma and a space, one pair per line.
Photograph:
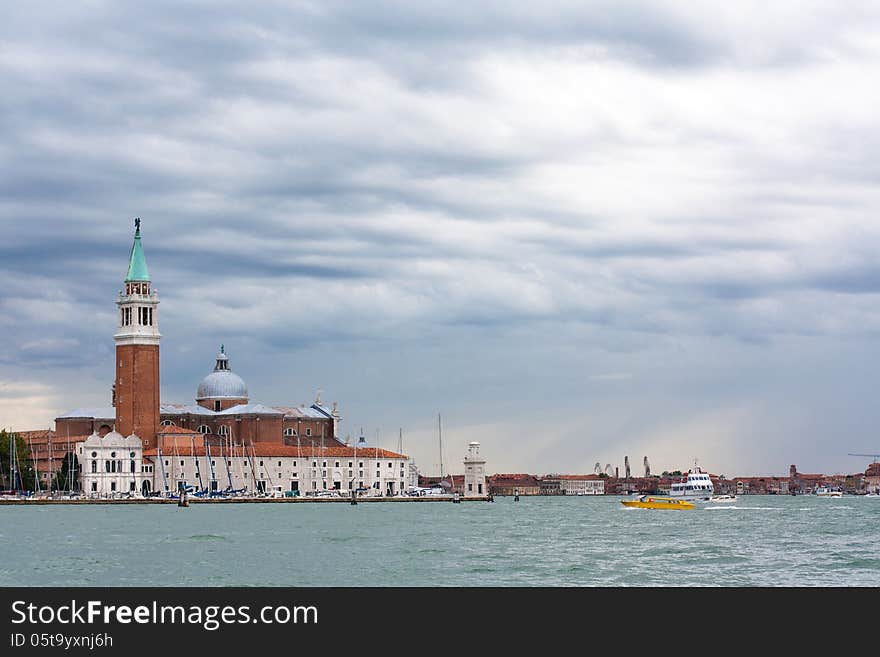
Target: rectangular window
94, 486
279, 464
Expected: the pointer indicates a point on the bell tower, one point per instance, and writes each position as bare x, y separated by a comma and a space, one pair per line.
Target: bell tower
137, 350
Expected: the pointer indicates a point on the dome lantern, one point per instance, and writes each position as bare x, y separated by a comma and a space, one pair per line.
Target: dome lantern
222, 385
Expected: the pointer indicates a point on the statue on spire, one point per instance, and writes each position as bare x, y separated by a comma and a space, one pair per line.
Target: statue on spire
137, 224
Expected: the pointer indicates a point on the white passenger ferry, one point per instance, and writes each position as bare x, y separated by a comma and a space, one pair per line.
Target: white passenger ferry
697, 487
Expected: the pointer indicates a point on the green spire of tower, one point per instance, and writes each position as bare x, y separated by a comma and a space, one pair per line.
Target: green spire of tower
137, 266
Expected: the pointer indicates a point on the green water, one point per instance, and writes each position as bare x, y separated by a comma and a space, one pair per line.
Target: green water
546, 541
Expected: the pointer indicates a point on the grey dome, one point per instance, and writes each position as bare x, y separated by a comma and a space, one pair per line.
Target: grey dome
222, 383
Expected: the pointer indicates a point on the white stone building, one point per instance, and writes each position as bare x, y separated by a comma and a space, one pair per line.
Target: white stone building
277, 469
475, 472
113, 466
581, 484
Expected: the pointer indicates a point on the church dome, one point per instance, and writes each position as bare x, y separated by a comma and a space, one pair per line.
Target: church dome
222, 383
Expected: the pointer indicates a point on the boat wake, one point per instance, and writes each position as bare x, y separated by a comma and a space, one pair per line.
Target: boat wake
742, 508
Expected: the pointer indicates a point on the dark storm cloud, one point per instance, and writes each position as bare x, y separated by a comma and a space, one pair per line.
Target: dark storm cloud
510, 195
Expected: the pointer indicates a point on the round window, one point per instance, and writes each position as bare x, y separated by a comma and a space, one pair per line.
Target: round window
112, 455
94, 454
131, 455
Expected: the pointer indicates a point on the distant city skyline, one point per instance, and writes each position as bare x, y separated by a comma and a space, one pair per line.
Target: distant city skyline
578, 232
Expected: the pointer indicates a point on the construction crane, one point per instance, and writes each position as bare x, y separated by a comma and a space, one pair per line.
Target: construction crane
876, 457
647, 468
626, 465
608, 469
597, 468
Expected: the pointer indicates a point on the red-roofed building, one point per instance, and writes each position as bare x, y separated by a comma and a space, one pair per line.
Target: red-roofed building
267, 467
514, 484
872, 478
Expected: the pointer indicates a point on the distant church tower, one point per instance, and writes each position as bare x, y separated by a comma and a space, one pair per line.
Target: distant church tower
137, 351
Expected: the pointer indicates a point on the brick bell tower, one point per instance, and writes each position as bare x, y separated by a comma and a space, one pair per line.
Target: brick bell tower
137, 351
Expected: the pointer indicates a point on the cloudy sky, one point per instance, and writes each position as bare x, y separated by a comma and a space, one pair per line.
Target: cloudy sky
577, 230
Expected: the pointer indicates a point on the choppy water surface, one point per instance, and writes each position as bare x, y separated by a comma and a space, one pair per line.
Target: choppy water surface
556, 541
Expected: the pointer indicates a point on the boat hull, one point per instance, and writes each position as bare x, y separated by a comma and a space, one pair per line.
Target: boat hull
658, 503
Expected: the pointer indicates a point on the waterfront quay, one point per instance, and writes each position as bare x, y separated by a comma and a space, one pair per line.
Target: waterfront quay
234, 500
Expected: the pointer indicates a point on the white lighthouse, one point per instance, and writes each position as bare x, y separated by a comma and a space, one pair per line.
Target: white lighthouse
474, 472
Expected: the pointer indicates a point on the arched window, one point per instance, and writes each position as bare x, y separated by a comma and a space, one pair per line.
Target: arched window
223, 430
106, 466
290, 431
132, 465
94, 467
204, 428
166, 423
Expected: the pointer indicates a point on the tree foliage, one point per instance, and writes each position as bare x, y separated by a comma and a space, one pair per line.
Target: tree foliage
67, 476
24, 471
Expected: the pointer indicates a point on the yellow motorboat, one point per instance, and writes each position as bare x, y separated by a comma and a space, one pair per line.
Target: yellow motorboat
656, 502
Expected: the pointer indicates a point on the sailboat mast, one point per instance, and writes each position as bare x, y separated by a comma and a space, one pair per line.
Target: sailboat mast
11, 457
440, 434
210, 463
51, 463
162, 465
69, 455
226, 459
36, 470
